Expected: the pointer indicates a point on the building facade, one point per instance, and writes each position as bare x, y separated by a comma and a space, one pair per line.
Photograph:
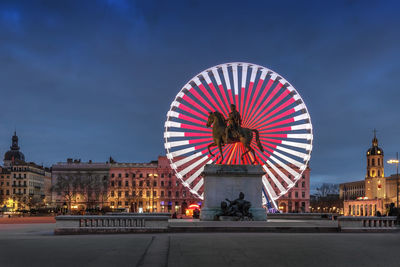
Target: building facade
23, 185
148, 187
80, 185
374, 194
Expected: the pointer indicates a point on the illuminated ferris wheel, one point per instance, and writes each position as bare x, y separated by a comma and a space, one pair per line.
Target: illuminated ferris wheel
265, 101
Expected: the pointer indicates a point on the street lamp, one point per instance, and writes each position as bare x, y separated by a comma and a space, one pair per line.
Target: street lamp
396, 161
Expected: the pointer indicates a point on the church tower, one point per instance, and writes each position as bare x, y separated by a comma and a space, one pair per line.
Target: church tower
374, 179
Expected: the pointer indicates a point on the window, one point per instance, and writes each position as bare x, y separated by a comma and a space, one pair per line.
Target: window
119, 175
368, 162
176, 183
303, 176
297, 185
147, 183
177, 194
126, 193
303, 184
373, 162
133, 183
133, 175
148, 175
126, 183
147, 193
112, 203
7, 192
119, 203
296, 194
162, 183
24, 191
133, 193
303, 194
141, 175
379, 162
162, 175
140, 183
140, 193
112, 175
184, 193
169, 193
112, 183
126, 175
154, 193
169, 175
24, 175
290, 195
169, 183
119, 183
162, 193
379, 173
119, 193
155, 183
126, 203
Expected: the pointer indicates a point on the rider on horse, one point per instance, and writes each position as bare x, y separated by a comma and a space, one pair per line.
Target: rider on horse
234, 124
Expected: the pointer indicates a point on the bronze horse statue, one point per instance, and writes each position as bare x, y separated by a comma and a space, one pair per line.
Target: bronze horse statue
218, 123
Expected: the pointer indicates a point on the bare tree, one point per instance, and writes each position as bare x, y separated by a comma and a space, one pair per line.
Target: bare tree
326, 189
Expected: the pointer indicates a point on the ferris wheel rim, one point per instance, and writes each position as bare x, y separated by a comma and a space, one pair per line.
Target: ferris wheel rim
178, 98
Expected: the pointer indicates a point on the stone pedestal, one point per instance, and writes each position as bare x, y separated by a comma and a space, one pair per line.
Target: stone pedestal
227, 181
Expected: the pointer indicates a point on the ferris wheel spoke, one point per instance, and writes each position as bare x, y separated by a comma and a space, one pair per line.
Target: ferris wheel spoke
256, 108
289, 112
186, 118
235, 75
286, 167
196, 94
190, 101
251, 85
214, 91
220, 87
207, 94
266, 102
192, 166
227, 82
243, 87
288, 159
198, 185
293, 152
268, 187
255, 96
280, 173
273, 178
178, 105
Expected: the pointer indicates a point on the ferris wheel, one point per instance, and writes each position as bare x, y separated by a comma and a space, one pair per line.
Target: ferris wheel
265, 101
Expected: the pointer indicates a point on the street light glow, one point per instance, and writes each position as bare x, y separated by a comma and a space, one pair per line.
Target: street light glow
393, 161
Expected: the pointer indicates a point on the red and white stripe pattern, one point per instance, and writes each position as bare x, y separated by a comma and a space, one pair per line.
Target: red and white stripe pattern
266, 102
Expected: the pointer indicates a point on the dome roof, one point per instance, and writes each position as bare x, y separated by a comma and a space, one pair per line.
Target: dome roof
14, 153
375, 150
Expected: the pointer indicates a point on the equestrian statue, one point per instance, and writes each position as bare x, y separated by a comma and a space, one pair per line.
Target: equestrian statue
232, 133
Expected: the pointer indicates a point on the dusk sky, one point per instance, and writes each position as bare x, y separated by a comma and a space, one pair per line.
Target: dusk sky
90, 79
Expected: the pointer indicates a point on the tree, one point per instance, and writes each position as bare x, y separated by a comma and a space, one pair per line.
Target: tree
326, 189
67, 188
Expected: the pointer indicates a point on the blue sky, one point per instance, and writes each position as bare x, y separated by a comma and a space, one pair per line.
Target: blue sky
89, 79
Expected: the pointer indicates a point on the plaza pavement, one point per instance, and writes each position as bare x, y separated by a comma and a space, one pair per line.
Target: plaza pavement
35, 245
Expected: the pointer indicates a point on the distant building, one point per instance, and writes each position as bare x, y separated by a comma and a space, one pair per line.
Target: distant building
375, 192
148, 187
80, 185
297, 199
134, 187
23, 185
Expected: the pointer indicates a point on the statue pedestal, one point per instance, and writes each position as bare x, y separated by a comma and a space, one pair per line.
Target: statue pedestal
227, 181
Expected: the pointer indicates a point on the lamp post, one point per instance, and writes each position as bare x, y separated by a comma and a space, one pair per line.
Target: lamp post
396, 161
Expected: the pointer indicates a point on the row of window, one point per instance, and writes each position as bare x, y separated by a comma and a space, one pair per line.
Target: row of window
140, 204
141, 183
8, 176
148, 194
296, 194
140, 175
